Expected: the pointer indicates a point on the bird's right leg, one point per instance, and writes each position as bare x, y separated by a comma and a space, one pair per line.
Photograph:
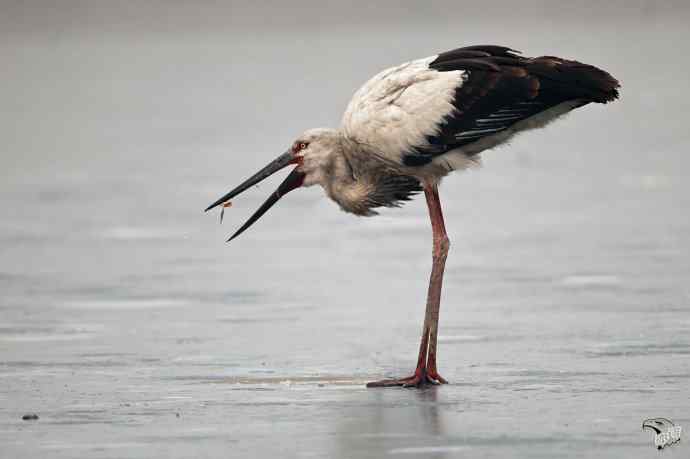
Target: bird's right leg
440, 253
426, 372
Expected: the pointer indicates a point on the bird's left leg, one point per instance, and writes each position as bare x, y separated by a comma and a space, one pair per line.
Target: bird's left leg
426, 371
440, 253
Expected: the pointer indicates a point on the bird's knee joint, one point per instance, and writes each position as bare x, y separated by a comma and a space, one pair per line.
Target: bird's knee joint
441, 245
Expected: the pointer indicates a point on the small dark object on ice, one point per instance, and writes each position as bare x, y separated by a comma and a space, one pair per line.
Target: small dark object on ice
30, 417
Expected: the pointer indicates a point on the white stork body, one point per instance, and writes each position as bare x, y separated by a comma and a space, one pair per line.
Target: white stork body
399, 108
412, 124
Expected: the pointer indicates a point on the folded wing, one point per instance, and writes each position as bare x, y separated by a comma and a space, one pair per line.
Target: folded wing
467, 100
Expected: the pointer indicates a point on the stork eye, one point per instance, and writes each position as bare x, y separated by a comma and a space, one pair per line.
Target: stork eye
303, 145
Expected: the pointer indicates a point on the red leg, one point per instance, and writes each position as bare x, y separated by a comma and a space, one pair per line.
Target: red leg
426, 372
440, 253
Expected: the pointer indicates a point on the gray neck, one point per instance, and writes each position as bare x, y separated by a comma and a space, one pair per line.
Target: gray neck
358, 180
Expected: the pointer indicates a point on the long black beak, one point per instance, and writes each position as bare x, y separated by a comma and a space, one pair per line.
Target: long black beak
292, 181
274, 166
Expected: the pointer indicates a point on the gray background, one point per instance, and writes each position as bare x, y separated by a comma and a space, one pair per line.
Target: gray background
133, 330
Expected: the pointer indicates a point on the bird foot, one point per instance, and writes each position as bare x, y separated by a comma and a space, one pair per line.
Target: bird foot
420, 379
434, 376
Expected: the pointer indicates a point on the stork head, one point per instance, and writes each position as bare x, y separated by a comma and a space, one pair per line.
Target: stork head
311, 154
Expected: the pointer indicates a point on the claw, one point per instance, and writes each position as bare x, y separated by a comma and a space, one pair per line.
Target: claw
434, 376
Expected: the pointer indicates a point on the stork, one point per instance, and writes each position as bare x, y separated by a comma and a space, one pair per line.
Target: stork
411, 125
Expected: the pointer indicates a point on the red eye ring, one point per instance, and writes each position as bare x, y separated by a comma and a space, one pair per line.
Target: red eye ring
303, 145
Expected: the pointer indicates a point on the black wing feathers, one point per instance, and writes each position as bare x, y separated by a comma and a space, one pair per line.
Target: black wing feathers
392, 189
502, 88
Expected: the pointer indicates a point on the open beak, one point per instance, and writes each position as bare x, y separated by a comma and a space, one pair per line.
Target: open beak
292, 181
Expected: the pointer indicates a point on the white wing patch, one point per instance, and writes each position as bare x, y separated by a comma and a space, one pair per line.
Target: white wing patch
397, 109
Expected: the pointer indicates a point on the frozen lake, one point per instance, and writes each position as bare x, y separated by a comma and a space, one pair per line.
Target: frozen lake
133, 330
